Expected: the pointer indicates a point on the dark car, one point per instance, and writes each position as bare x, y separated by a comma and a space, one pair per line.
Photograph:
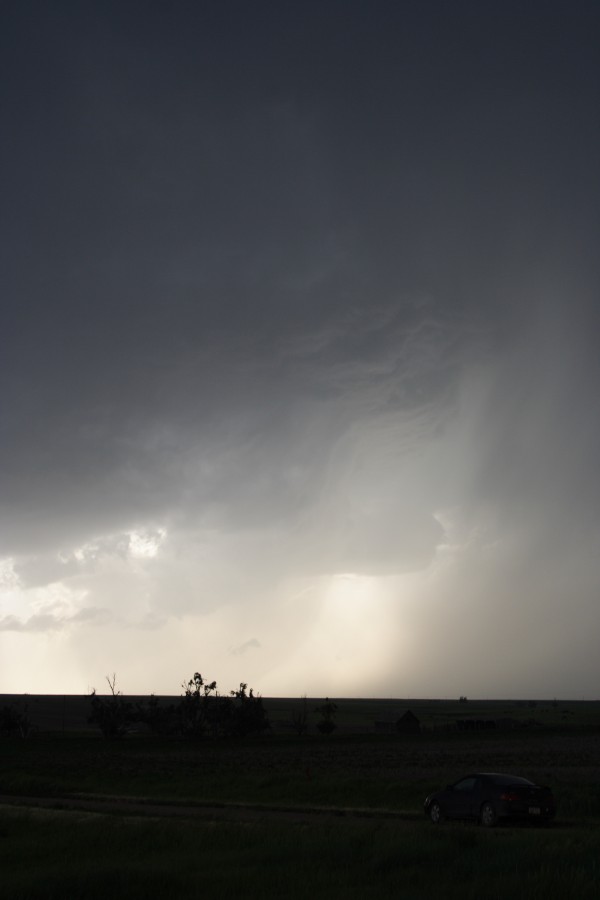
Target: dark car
489, 797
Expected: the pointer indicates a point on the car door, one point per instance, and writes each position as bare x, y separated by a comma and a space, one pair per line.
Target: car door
464, 797
477, 797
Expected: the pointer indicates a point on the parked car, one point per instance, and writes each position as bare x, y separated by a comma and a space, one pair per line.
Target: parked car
489, 797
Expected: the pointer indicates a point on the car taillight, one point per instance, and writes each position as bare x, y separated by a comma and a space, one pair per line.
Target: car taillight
509, 795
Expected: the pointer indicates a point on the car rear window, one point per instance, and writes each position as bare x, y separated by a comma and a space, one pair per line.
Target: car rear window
509, 779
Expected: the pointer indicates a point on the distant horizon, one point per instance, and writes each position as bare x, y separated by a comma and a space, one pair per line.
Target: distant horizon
390, 699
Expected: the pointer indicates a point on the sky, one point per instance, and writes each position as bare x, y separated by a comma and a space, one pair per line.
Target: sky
299, 350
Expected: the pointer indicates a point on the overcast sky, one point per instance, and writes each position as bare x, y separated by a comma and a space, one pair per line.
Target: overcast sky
299, 349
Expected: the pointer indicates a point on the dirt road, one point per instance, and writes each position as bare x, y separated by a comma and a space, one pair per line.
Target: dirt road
150, 807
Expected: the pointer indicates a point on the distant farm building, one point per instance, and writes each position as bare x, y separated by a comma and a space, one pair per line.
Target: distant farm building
406, 723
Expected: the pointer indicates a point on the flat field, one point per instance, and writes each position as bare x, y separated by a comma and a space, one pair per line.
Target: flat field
209, 820
69, 713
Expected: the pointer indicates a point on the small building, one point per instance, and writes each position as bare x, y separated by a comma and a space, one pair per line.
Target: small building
406, 723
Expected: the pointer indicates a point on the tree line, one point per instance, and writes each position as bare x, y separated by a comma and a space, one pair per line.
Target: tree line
200, 712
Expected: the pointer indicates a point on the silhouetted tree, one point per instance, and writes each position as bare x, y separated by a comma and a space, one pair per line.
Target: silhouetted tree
160, 719
194, 714
113, 715
203, 710
247, 713
327, 712
299, 717
15, 721
200, 712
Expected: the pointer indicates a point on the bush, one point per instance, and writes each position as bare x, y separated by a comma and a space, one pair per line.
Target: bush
299, 717
113, 715
200, 712
161, 720
327, 712
14, 721
247, 713
204, 711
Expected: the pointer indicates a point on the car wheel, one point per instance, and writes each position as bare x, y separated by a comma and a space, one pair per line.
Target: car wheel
435, 813
487, 815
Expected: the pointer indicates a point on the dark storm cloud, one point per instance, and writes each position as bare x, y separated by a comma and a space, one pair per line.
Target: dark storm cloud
288, 281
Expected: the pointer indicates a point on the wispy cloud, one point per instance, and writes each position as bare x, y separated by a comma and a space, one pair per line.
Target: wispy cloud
241, 649
48, 622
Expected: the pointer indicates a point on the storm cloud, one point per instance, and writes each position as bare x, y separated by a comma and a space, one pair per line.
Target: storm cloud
299, 347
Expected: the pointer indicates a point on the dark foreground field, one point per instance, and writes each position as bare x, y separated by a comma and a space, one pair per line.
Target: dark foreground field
208, 820
57, 855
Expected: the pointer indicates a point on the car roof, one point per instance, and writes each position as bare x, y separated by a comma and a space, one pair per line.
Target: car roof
500, 777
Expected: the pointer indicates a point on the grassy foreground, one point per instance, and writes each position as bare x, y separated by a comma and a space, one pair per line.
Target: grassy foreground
55, 855
51, 854
348, 771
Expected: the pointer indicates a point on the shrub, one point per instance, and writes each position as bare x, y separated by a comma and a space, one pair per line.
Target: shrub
161, 720
14, 721
247, 713
113, 715
327, 712
299, 717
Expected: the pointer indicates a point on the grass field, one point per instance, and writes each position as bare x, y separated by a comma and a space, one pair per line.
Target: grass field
51, 712
57, 855
50, 853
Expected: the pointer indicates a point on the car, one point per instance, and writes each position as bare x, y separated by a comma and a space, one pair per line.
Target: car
489, 797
